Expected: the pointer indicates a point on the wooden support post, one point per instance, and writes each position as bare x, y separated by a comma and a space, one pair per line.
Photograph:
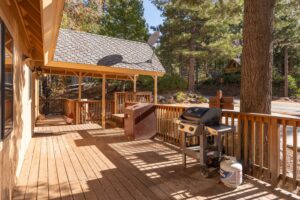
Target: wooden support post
134, 83
37, 96
134, 87
103, 100
79, 86
274, 152
155, 89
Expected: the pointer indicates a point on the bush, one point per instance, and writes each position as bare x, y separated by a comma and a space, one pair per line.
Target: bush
180, 96
234, 78
171, 82
202, 99
294, 90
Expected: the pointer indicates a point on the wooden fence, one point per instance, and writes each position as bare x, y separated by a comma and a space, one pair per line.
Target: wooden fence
121, 98
260, 142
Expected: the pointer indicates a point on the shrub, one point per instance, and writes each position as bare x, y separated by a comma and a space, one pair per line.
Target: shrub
232, 78
180, 96
202, 99
171, 82
294, 90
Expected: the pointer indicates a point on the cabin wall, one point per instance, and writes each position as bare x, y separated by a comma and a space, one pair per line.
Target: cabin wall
14, 146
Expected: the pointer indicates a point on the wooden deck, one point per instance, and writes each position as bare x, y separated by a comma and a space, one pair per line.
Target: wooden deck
86, 162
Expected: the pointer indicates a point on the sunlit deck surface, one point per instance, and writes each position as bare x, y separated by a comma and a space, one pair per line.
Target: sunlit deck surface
87, 162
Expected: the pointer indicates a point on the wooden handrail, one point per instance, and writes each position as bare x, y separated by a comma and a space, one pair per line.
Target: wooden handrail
257, 141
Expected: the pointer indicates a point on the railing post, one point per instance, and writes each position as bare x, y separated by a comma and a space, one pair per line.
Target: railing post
76, 112
155, 89
103, 100
274, 154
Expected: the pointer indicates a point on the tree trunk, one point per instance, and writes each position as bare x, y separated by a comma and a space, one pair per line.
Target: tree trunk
286, 72
257, 56
192, 63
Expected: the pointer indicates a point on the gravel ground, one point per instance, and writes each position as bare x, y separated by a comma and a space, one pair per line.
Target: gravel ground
289, 162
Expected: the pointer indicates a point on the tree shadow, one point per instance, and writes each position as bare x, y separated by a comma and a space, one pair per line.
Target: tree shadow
110, 60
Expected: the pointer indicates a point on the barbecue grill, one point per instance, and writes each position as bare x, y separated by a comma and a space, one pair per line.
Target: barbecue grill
204, 124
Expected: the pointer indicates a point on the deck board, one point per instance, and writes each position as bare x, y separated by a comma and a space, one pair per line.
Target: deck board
86, 162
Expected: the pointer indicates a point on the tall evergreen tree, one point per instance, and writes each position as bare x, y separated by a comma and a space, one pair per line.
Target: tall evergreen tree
256, 80
83, 15
198, 31
287, 39
124, 19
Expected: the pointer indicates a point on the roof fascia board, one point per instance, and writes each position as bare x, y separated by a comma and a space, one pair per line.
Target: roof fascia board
103, 69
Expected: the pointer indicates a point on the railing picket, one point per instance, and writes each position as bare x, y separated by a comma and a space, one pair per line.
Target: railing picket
295, 155
252, 152
284, 151
260, 148
233, 135
246, 144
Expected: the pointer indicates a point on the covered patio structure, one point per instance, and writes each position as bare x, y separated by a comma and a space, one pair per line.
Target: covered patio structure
82, 55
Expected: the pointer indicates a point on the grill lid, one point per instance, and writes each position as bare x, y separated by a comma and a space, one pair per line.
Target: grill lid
198, 115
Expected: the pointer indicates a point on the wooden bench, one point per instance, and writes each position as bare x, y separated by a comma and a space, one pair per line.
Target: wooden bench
118, 119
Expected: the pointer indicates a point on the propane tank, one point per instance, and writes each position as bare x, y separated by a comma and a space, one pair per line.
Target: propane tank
231, 172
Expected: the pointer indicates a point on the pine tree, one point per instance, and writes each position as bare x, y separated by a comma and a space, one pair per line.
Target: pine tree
83, 15
198, 31
256, 78
287, 39
124, 19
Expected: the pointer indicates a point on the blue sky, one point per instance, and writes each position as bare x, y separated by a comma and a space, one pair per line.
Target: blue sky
152, 14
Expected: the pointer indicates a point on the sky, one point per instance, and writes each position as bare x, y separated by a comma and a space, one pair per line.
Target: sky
152, 14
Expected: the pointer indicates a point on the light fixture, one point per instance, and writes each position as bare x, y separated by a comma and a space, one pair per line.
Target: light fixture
38, 70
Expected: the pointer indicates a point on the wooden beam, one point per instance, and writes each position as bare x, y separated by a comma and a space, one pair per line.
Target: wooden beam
134, 83
103, 100
155, 89
22, 21
37, 96
275, 155
79, 86
28, 10
102, 69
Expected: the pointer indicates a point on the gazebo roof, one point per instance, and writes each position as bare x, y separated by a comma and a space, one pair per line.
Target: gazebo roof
97, 50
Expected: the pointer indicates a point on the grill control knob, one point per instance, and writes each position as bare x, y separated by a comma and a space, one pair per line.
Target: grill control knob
191, 129
181, 126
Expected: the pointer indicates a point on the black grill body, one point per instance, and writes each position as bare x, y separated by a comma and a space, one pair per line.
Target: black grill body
198, 115
204, 124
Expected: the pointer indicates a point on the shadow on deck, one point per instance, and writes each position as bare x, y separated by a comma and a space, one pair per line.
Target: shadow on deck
87, 162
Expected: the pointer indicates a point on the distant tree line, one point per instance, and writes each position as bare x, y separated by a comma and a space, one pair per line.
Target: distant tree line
198, 37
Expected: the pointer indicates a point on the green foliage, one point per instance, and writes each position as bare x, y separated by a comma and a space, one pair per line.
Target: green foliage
277, 78
209, 31
294, 88
233, 78
202, 99
82, 16
124, 19
171, 82
180, 97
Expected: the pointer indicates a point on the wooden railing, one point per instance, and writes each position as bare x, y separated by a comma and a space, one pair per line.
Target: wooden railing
88, 111
259, 142
121, 98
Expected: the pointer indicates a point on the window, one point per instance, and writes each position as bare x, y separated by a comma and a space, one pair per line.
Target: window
6, 81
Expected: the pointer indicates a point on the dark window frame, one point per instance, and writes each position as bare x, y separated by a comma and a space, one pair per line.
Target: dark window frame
3, 30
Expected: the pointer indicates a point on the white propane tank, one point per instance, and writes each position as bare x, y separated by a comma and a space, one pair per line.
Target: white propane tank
231, 172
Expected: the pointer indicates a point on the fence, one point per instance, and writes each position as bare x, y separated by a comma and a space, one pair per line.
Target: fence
260, 142
121, 98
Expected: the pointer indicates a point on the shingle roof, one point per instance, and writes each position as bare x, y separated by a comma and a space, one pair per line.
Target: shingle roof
86, 48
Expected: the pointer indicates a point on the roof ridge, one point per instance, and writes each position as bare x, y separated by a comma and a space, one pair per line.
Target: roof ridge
98, 35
